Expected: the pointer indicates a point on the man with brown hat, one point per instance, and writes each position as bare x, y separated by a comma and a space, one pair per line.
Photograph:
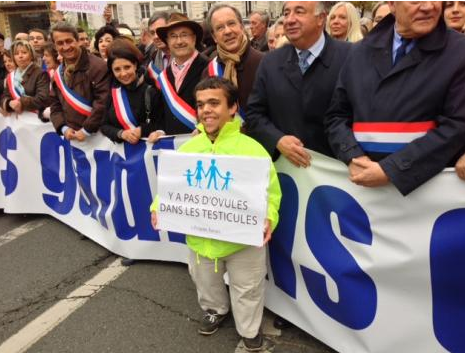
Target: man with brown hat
175, 99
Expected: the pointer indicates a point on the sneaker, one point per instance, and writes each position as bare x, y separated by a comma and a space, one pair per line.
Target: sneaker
253, 344
210, 322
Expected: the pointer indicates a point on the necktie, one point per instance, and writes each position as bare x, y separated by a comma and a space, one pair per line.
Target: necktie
402, 50
303, 63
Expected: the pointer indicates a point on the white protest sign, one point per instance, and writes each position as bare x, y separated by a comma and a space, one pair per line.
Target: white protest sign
213, 196
96, 7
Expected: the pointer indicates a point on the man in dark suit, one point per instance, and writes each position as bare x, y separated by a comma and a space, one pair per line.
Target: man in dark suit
397, 114
175, 99
287, 105
291, 94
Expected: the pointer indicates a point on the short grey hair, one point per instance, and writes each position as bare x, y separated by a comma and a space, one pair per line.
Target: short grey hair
320, 7
264, 17
220, 6
157, 15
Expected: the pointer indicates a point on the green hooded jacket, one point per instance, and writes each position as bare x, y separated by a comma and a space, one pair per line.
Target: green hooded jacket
230, 141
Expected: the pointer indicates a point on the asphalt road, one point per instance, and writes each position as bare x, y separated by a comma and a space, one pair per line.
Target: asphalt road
62, 293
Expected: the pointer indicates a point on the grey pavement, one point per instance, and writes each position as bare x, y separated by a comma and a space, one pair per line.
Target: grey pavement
151, 307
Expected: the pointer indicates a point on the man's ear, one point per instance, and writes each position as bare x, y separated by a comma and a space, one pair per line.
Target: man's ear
233, 110
213, 36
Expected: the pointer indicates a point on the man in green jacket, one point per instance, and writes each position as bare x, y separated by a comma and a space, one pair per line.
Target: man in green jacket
209, 259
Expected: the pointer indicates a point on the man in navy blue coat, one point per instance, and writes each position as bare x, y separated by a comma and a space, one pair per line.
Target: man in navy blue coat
287, 105
292, 91
398, 111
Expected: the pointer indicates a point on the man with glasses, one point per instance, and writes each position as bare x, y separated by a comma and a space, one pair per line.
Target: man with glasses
175, 100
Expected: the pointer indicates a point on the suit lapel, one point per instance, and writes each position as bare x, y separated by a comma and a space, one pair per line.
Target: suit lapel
291, 68
382, 61
411, 59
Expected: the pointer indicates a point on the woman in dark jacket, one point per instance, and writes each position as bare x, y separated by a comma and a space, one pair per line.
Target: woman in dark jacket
129, 115
26, 88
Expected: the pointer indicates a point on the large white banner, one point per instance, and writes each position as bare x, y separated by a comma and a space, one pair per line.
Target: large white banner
213, 196
363, 270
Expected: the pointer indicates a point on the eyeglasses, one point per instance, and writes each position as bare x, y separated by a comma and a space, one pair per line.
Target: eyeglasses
183, 36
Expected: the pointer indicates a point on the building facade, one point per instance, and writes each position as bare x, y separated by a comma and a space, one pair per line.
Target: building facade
20, 16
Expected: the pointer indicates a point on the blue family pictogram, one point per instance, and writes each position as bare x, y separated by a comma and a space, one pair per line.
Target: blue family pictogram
213, 176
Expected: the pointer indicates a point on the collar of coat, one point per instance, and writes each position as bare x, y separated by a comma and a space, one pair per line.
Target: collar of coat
230, 128
381, 36
244, 57
325, 56
83, 63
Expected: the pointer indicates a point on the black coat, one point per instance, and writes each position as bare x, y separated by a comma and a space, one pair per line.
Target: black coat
283, 102
426, 85
166, 120
136, 96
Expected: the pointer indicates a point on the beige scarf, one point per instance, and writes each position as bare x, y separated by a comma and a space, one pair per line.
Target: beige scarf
70, 68
230, 60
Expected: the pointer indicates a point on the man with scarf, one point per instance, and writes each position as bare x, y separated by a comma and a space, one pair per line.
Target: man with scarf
175, 101
236, 60
80, 88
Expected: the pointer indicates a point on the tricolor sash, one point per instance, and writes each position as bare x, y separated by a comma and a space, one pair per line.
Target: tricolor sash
389, 137
10, 82
123, 109
153, 71
214, 68
180, 109
78, 103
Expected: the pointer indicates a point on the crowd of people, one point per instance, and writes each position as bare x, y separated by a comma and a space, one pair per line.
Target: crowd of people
385, 95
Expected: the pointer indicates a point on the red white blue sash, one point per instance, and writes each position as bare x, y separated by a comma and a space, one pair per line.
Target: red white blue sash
389, 137
153, 71
10, 81
214, 68
123, 109
78, 103
180, 109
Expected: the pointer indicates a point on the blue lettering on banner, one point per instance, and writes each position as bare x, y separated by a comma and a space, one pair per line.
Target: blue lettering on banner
447, 251
109, 169
10, 174
87, 201
167, 143
282, 241
50, 147
356, 307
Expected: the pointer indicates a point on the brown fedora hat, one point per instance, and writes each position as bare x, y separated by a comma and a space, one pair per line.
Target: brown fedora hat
179, 20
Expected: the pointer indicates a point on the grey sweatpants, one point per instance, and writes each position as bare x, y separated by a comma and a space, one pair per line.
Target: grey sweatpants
246, 270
